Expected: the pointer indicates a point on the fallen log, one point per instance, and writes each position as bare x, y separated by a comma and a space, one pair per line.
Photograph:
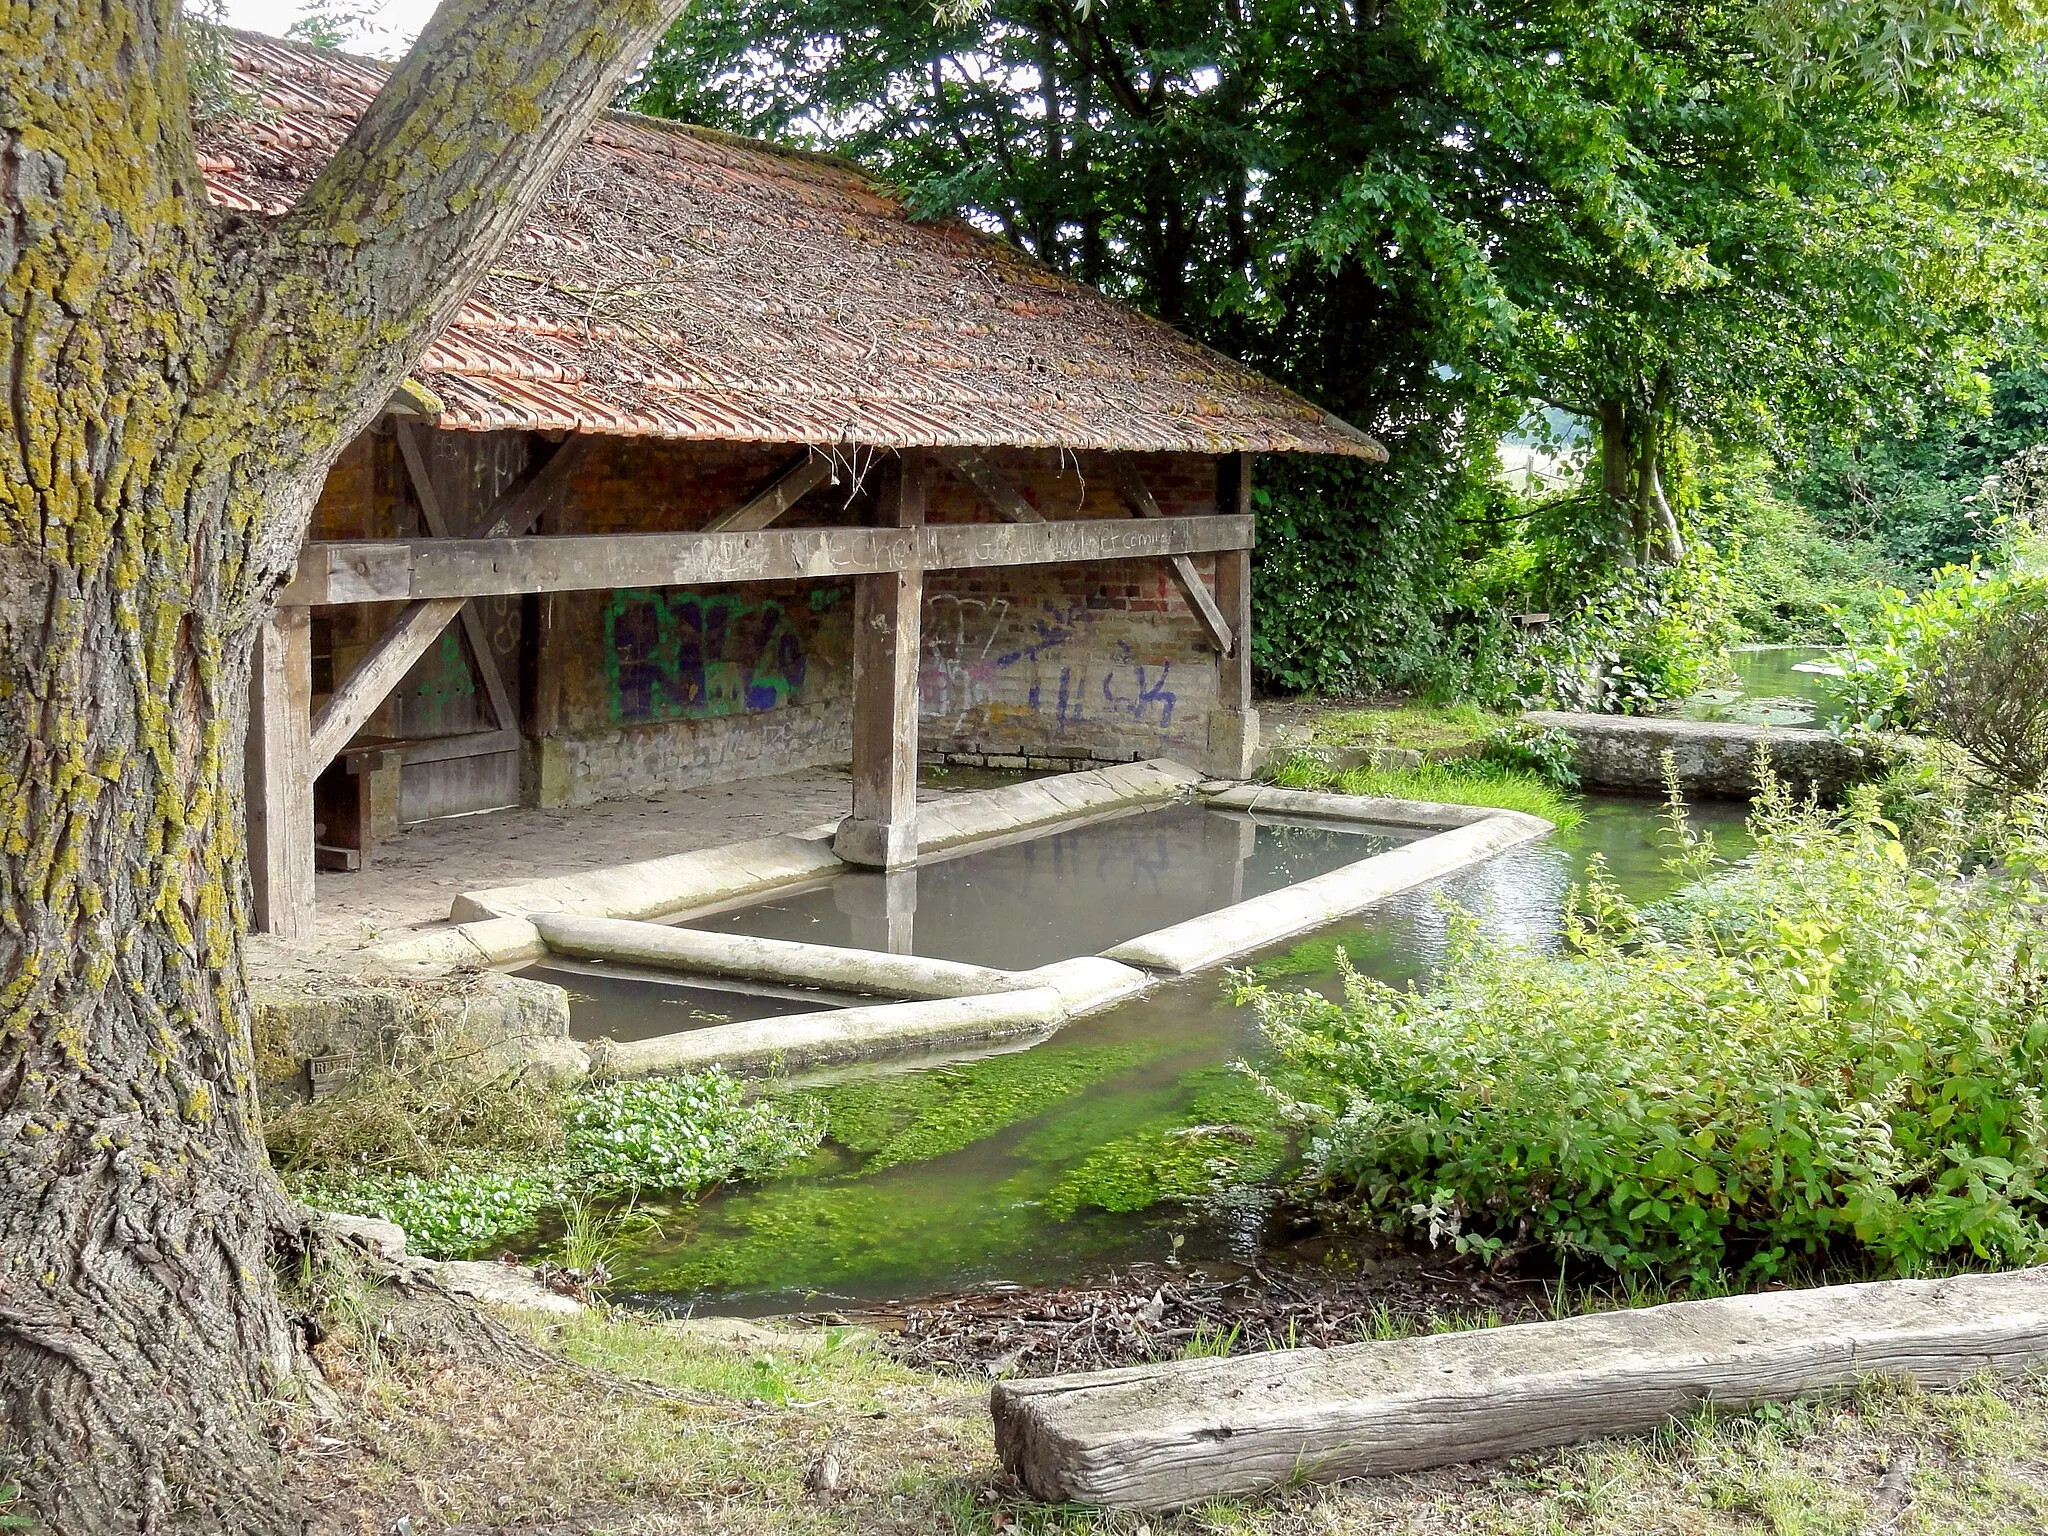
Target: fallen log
1162, 1436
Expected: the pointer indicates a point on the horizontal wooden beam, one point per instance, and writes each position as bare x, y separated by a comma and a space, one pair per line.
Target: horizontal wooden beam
364, 571
1181, 1432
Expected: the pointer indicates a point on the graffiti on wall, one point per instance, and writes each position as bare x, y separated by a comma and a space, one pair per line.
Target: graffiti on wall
677, 655
982, 660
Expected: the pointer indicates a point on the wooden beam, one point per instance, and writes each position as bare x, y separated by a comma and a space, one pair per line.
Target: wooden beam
400, 570
801, 475
996, 492
1193, 590
887, 611
349, 707
1164, 1436
279, 793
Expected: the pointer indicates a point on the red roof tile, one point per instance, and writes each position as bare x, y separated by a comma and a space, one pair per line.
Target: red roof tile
678, 282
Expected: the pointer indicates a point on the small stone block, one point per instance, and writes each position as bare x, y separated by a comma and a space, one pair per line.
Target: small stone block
876, 844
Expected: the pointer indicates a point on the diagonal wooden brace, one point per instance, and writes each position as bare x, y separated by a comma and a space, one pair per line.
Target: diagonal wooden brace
1215, 628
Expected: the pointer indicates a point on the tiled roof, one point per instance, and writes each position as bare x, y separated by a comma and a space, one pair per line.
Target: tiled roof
678, 282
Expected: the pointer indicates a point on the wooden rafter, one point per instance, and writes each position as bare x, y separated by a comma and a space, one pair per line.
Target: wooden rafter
349, 708
792, 482
1215, 628
990, 484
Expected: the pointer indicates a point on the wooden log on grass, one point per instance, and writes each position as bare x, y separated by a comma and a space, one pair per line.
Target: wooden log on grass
1162, 1436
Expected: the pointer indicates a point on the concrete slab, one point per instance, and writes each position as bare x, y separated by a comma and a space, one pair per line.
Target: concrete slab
1234, 932
775, 1046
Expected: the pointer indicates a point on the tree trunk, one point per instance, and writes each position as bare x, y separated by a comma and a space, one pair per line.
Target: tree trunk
1617, 476
179, 382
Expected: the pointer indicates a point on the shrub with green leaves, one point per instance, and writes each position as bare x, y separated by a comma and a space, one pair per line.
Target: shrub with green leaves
673, 1134
1546, 752
1825, 1053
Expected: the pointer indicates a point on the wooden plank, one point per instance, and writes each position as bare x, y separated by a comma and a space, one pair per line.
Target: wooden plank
1164, 1436
1234, 603
801, 475
887, 611
996, 492
442, 749
1193, 590
349, 707
600, 562
279, 794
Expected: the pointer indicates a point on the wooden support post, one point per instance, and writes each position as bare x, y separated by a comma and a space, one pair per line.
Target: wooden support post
882, 831
280, 775
1234, 727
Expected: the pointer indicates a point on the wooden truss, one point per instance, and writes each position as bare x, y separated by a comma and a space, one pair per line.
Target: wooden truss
438, 576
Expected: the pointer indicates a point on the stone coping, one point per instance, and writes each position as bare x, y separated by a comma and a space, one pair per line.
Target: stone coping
1471, 834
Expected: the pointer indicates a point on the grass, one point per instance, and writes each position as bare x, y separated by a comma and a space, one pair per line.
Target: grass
452, 1443
1422, 727
1458, 782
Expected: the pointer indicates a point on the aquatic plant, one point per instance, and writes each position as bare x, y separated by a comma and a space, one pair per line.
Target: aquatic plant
1827, 1052
1228, 1133
913, 1117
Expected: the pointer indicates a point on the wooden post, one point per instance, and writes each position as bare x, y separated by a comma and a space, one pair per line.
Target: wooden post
280, 774
882, 831
1234, 727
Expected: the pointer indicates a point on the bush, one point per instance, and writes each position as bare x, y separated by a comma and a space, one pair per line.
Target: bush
1985, 689
1824, 1053
1645, 636
682, 1133
1545, 753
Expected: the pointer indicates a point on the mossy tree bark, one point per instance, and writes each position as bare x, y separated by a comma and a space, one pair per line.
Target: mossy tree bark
178, 382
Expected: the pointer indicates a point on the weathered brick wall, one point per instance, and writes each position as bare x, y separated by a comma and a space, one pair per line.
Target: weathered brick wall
1067, 662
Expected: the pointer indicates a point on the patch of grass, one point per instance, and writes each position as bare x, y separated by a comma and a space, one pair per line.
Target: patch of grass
1461, 781
455, 1442
1419, 727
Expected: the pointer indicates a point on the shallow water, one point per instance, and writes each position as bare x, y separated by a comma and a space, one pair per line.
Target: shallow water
1074, 892
973, 1172
1770, 689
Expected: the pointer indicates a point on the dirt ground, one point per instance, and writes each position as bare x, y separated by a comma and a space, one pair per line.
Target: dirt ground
648, 1428
412, 878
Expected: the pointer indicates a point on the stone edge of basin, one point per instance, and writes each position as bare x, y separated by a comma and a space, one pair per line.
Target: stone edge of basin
659, 946
1468, 835
1713, 758
772, 1047
663, 887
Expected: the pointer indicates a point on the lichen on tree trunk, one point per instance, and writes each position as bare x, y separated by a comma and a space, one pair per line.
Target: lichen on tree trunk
178, 382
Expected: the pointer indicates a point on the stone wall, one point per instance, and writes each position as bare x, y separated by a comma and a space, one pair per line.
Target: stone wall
1713, 759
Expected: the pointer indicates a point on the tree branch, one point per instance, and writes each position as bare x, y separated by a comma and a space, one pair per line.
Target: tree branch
380, 252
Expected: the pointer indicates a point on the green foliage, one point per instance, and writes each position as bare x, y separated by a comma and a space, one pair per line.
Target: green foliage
458, 1183
1460, 781
1416, 727
679, 1134
1899, 642
1643, 637
1825, 1053
1543, 752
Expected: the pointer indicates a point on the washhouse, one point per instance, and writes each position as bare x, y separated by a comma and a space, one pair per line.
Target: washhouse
729, 467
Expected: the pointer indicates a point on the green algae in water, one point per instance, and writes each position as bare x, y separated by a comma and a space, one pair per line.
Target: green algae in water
922, 1115
1228, 1134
